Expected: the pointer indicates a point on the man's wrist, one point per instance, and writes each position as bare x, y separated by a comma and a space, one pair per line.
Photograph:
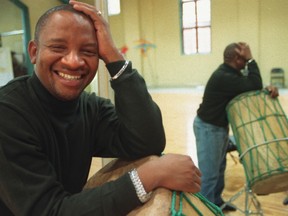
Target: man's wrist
114, 67
140, 191
250, 60
120, 72
113, 56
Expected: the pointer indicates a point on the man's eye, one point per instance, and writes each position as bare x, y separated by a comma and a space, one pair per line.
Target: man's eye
57, 48
90, 52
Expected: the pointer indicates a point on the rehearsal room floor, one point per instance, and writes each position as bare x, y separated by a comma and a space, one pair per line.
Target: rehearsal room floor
178, 108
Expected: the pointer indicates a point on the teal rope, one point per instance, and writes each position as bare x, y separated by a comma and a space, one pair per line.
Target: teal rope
173, 211
193, 206
212, 207
215, 209
179, 213
271, 109
173, 202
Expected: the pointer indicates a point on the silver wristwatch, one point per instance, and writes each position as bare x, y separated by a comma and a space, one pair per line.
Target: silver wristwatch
140, 191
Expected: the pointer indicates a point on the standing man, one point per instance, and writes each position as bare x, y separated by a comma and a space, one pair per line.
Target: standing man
211, 123
51, 128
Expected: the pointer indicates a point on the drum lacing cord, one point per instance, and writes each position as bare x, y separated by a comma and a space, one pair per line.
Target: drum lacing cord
261, 144
278, 112
211, 206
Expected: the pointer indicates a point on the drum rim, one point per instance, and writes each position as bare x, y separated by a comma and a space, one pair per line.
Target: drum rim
253, 92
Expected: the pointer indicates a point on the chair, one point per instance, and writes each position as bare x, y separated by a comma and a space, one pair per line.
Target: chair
277, 77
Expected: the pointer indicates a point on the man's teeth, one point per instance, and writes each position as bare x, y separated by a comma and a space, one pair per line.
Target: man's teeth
69, 77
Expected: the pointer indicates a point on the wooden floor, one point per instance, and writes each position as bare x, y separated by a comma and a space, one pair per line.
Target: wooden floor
179, 109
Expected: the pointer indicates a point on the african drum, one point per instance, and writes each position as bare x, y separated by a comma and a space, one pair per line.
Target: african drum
163, 201
260, 128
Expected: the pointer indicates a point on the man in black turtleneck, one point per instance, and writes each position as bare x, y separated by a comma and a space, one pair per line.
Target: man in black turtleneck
50, 128
211, 124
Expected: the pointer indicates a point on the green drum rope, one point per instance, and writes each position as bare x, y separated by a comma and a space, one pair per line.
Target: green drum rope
212, 207
261, 118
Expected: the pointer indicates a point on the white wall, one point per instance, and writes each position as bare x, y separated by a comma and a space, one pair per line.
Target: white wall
261, 23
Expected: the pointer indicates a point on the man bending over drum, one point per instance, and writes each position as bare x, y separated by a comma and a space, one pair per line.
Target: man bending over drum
51, 128
211, 123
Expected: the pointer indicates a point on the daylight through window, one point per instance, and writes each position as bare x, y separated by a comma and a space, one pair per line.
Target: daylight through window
196, 26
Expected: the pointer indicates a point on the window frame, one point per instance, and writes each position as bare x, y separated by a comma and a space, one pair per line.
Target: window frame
196, 27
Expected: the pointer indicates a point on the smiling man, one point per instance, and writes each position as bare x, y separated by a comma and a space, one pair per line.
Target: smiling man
51, 128
65, 63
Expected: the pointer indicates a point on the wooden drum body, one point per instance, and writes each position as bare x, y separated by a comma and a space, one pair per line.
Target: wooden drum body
163, 201
260, 128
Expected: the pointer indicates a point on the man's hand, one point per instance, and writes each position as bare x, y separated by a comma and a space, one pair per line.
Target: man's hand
273, 91
244, 51
172, 171
107, 49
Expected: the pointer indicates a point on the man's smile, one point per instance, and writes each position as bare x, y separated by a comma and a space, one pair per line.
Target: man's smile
68, 76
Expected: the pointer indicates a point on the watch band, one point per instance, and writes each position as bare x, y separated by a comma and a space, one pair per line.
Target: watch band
120, 72
140, 190
250, 60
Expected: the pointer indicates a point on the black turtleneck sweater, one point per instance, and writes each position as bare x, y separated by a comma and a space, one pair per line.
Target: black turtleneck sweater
224, 84
46, 146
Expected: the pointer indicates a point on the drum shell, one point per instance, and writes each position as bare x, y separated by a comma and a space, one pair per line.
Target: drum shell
160, 202
260, 128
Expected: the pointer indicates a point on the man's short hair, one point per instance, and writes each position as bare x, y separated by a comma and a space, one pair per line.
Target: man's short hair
42, 21
230, 52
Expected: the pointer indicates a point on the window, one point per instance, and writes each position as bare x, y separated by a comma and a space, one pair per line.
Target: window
113, 7
196, 26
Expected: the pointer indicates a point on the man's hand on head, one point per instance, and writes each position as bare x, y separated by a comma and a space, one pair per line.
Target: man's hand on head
108, 52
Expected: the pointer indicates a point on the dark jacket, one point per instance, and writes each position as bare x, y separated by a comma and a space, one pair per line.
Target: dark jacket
224, 84
46, 146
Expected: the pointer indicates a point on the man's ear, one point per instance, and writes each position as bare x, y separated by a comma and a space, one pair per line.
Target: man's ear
32, 50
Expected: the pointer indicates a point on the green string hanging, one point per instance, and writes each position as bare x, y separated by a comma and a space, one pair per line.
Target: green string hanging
182, 196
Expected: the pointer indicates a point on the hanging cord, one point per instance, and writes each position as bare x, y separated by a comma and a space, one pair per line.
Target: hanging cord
173, 210
214, 208
211, 206
173, 203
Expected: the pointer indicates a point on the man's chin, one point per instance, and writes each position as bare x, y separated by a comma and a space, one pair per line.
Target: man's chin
67, 95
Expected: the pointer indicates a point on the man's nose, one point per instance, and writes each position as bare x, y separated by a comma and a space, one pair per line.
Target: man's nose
73, 60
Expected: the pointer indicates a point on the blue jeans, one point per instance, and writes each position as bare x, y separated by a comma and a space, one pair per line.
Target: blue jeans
212, 143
